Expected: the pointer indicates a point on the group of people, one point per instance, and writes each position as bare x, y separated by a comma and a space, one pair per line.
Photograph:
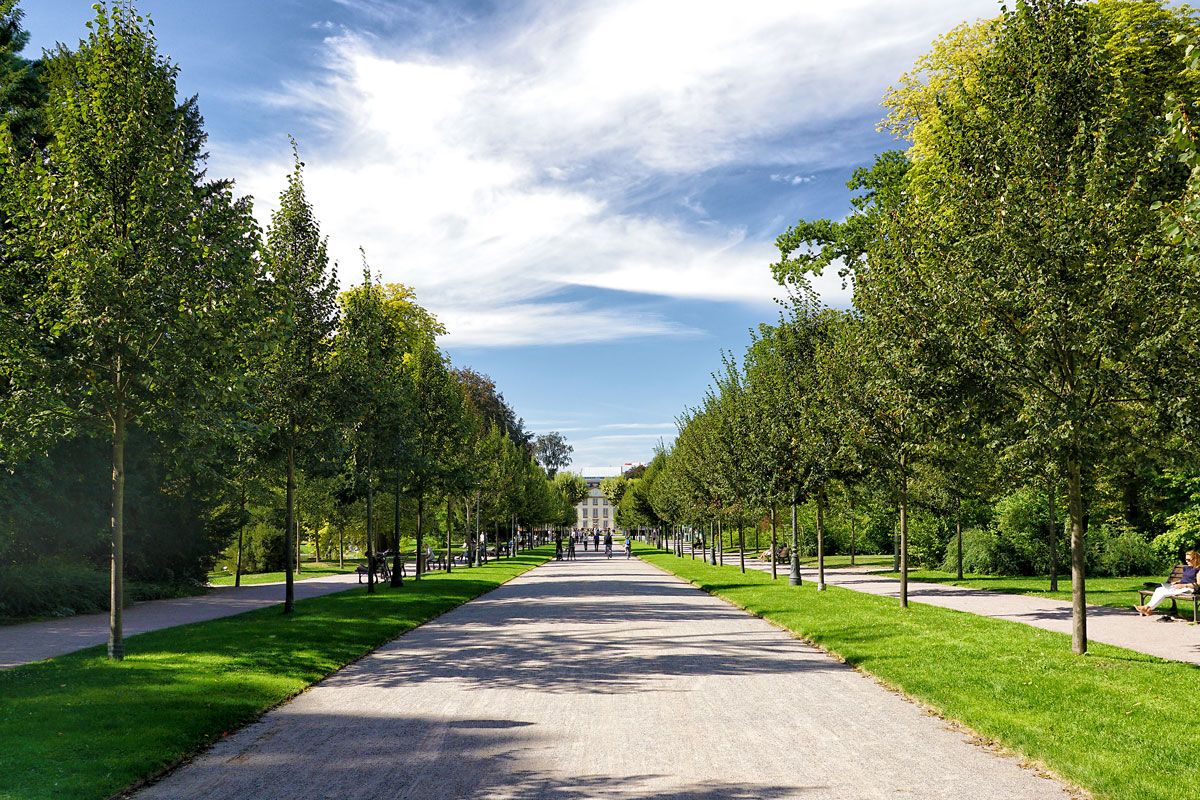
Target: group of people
576, 536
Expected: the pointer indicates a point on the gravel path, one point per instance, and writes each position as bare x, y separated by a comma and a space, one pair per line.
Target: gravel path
599, 679
1176, 640
34, 641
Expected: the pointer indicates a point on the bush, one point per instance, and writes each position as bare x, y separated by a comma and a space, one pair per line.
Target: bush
1183, 534
925, 545
979, 548
54, 588
1115, 549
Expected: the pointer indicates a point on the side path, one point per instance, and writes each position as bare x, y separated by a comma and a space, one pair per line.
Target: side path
34, 641
599, 678
1176, 641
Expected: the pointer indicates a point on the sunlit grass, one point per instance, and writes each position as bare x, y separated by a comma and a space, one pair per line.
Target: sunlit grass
316, 569
1112, 592
80, 726
1113, 721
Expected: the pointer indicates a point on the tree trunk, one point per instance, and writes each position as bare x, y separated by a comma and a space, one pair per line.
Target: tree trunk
712, 541
237, 570
774, 545
1053, 537
398, 553
903, 534
742, 544
1078, 589
421, 565
289, 590
116, 595
821, 541
449, 535
794, 579
958, 534
853, 526
370, 536
317, 543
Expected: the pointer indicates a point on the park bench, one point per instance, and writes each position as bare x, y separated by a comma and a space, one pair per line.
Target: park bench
780, 558
1176, 574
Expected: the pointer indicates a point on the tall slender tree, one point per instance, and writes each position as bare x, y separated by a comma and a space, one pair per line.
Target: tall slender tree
300, 328
134, 293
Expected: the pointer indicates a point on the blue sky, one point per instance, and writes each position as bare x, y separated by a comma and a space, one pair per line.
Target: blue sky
586, 193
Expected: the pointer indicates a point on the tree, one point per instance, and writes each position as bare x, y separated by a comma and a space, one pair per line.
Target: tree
136, 296
300, 327
553, 452
22, 91
1037, 172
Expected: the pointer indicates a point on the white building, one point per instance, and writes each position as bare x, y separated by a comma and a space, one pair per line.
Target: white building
595, 511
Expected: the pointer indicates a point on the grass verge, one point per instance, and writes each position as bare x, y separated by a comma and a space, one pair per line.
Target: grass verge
80, 726
1114, 722
319, 569
1112, 592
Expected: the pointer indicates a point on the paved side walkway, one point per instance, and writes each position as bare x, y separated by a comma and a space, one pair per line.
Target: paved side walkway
34, 641
1177, 641
599, 679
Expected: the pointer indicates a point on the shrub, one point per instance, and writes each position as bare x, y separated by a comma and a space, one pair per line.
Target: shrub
56, 588
1183, 534
978, 552
1123, 551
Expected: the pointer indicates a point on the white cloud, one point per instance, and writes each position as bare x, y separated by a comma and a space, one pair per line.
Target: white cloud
498, 173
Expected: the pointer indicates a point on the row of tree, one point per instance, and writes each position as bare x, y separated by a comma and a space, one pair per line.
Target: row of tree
1025, 294
140, 300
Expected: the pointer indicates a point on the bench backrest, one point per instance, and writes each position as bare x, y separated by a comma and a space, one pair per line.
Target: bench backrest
1176, 574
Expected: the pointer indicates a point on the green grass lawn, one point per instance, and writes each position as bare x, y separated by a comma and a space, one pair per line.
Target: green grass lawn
316, 569
80, 726
1112, 722
1114, 592
844, 561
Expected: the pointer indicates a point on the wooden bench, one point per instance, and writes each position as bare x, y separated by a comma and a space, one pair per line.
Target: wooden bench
383, 572
1175, 576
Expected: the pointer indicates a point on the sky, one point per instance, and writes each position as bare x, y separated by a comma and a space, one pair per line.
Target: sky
586, 193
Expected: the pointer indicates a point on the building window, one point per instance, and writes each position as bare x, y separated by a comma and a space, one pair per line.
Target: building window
595, 500
606, 513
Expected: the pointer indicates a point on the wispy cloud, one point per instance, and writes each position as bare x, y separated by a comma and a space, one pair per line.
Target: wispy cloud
500, 168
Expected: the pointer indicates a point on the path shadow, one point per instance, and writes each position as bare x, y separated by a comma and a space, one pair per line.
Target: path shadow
347, 756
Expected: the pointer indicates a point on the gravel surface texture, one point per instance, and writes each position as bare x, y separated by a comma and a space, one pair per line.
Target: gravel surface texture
600, 679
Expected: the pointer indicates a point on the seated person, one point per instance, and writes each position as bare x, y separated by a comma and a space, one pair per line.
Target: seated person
1186, 584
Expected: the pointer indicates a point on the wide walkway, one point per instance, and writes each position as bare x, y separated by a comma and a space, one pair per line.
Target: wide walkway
1175, 640
34, 641
599, 679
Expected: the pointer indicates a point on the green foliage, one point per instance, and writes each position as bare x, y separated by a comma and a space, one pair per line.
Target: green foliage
60, 588
1183, 534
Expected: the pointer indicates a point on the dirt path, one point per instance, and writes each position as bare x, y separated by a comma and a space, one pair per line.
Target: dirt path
599, 679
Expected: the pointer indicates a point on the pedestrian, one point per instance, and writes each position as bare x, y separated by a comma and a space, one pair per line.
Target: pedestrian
596, 539
571, 547
585, 538
608, 543
628, 547
558, 553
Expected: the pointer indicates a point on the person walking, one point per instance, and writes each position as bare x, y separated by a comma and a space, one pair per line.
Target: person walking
571, 547
596, 539
583, 536
608, 544
558, 551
